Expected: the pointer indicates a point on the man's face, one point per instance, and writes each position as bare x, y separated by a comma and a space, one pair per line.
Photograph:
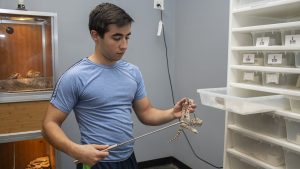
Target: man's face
115, 42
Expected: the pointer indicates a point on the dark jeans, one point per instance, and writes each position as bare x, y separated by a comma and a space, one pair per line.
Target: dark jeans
130, 163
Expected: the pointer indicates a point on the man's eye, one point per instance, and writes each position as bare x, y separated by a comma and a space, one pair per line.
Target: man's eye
127, 37
117, 38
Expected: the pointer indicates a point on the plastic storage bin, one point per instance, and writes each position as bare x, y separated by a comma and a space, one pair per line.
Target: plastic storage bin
280, 59
292, 38
293, 130
250, 121
293, 81
235, 163
244, 144
268, 124
272, 125
267, 38
295, 104
265, 152
252, 58
298, 81
297, 59
251, 77
219, 98
292, 159
274, 79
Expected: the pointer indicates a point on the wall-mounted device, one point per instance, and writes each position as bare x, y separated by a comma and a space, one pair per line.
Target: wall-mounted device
159, 4
21, 5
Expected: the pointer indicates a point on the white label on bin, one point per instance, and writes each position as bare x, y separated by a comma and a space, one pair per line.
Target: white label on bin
248, 58
263, 41
272, 78
249, 76
274, 59
291, 40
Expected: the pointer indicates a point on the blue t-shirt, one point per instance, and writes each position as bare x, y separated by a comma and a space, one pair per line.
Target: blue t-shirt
101, 97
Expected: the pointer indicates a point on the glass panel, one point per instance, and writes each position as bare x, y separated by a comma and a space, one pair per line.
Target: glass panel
25, 53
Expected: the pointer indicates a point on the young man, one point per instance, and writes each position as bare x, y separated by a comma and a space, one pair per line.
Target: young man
102, 89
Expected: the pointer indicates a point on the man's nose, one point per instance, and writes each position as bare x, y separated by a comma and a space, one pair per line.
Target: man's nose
124, 44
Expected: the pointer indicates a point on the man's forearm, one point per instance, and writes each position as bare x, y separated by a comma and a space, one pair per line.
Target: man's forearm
156, 116
55, 135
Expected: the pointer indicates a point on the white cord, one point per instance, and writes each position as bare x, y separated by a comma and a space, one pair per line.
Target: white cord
159, 29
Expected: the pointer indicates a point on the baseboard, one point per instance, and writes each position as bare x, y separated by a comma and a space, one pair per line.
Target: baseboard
163, 161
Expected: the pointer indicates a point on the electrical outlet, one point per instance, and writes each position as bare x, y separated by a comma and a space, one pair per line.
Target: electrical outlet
159, 4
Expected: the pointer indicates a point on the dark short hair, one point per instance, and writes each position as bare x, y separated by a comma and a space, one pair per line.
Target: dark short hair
105, 14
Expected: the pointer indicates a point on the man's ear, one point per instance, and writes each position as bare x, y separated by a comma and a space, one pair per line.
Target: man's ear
94, 35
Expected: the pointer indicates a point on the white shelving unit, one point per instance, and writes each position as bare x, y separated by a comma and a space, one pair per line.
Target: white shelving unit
262, 97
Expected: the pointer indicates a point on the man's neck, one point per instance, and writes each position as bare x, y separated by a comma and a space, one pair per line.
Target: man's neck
99, 59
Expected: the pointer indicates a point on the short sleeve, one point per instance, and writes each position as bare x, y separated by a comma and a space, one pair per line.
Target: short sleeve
65, 94
141, 89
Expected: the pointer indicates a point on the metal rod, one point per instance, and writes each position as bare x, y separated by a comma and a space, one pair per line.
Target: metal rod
152, 132
136, 138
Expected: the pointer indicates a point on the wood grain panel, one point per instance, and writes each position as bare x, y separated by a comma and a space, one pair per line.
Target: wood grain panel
23, 116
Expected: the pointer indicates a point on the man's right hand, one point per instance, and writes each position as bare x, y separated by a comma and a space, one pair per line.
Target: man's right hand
90, 154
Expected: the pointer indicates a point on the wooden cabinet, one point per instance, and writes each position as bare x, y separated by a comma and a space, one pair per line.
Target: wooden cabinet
28, 52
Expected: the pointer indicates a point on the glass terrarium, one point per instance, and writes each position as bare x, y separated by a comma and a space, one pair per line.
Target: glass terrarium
28, 48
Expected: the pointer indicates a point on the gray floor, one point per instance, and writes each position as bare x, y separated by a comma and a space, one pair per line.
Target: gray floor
168, 166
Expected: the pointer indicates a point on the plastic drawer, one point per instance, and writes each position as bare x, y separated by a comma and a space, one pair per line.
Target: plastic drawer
297, 59
219, 98
292, 38
280, 59
293, 130
252, 58
295, 104
275, 79
298, 82
272, 125
292, 159
267, 38
268, 124
250, 121
244, 144
265, 152
251, 77
239, 164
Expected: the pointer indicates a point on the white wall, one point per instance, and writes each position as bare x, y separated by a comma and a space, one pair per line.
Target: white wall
201, 61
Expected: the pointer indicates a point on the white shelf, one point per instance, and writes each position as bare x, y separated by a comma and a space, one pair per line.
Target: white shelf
268, 89
20, 136
288, 114
277, 141
279, 9
273, 27
267, 48
267, 69
24, 12
248, 20
25, 96
252, 161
